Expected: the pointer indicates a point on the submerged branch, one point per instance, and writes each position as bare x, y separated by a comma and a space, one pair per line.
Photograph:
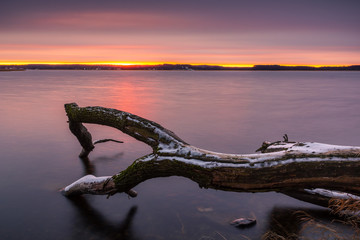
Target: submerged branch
83, 136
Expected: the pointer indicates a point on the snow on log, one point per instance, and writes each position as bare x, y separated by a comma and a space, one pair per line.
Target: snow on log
90, 184
281, 166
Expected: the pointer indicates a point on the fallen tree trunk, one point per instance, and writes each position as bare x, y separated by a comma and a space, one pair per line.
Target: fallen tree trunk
283, 166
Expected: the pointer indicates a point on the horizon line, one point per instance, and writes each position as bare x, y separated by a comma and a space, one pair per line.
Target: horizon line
171, 63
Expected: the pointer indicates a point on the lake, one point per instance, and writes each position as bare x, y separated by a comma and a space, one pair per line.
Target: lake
223, 111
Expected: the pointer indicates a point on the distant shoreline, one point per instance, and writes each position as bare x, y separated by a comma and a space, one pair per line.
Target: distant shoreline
168, 67
10, 70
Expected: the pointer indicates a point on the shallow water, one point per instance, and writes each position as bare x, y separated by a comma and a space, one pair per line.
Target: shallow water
231, 112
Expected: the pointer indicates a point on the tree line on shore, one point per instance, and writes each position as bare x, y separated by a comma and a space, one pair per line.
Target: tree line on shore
175, 67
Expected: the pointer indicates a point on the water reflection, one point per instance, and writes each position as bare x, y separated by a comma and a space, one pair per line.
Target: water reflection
114, 157
132, 93
89, 167
96, 225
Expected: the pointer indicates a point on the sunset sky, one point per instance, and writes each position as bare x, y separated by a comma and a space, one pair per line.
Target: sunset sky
224, 32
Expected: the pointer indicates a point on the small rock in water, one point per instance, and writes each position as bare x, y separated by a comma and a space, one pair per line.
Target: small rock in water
243, 222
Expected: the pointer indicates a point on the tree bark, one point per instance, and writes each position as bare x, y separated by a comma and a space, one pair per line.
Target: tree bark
283, 166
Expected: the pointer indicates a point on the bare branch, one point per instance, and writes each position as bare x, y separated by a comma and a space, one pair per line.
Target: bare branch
281, 166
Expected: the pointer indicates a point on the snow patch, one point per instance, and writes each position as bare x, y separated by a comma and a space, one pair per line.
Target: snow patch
88, 179
215, 164
193, 155
332, 194
309, 147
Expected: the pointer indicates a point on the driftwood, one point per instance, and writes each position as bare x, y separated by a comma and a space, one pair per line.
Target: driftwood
313, 172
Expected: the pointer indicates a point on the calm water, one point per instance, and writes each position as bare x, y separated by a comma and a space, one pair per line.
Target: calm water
230, 112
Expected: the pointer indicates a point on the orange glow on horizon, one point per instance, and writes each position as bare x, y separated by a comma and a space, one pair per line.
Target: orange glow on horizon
125, 63
161, 63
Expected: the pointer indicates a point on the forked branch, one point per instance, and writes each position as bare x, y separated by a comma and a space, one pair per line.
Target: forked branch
281, 166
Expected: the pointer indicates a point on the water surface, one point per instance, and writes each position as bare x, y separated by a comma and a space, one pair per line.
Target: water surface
231, 112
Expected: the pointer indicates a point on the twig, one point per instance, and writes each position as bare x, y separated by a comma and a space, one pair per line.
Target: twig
286, 138
106, 140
